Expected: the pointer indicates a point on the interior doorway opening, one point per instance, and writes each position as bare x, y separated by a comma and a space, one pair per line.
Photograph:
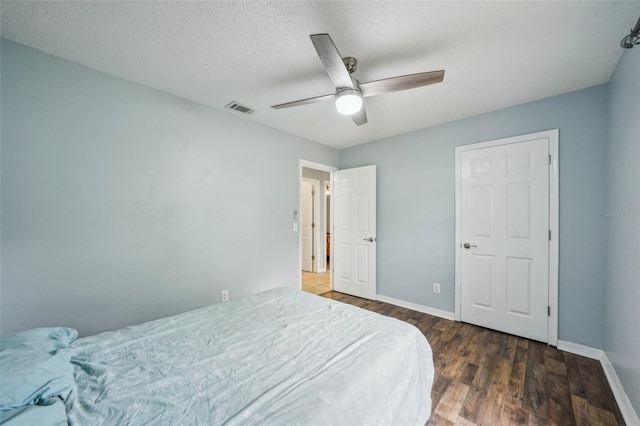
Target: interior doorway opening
315, 227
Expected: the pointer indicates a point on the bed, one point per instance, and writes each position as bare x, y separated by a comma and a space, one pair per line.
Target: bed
277, 357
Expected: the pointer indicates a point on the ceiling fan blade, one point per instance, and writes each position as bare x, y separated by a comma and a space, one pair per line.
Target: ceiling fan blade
332, 60
360, 117
305, 101
403, 82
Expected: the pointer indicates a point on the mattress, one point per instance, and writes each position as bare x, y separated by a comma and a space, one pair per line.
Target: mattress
278, 357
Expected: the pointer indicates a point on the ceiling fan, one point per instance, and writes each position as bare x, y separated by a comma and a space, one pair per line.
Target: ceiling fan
349, 91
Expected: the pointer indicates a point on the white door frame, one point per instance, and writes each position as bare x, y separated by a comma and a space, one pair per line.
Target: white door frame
316, 243
554, 219
330, 170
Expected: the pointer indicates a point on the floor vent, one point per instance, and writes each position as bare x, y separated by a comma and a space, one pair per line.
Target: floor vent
239, 107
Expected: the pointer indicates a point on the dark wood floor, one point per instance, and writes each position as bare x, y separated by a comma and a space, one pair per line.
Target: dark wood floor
484, 377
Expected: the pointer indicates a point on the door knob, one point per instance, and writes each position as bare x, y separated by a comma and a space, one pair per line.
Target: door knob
370, 239
468, 246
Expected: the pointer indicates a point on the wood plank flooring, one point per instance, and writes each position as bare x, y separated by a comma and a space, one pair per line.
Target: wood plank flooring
484, 377
316, 283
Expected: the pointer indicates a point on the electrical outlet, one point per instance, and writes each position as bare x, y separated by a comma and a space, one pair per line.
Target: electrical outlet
436, 288
225, 295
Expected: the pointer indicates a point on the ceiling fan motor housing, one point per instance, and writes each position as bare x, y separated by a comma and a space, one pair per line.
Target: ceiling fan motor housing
351, 63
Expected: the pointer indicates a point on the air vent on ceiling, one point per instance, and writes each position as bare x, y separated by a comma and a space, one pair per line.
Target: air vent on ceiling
239, 107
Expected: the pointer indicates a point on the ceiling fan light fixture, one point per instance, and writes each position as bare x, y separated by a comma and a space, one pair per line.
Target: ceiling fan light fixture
348, 101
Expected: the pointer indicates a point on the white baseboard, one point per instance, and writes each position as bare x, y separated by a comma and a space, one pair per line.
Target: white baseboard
629, 414
581, 350
415, 307
626, 409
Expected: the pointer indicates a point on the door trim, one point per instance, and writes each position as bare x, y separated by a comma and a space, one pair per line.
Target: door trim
554, 220
324, 168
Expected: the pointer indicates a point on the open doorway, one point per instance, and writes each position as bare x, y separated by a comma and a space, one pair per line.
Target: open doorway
315, 227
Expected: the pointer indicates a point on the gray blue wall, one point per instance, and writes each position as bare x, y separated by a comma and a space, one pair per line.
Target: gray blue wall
121, 204
416, 206
622, 290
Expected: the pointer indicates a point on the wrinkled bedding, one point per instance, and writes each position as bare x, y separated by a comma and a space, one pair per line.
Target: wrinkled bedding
36, 375
278, 357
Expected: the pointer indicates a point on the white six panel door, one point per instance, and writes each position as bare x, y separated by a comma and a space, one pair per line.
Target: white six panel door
505, 237
354, 231
306, 229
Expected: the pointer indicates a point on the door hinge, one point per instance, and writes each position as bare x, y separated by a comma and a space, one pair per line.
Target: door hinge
549, 159
313, 258
548, 311
313, 225
549, 234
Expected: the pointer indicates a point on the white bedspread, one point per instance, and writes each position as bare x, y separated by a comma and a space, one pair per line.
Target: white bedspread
278, 357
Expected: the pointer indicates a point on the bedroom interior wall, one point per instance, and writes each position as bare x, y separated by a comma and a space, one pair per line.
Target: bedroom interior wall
122, 204
622, 290
416, 206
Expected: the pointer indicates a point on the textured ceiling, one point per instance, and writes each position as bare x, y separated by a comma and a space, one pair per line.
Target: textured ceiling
496, 54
